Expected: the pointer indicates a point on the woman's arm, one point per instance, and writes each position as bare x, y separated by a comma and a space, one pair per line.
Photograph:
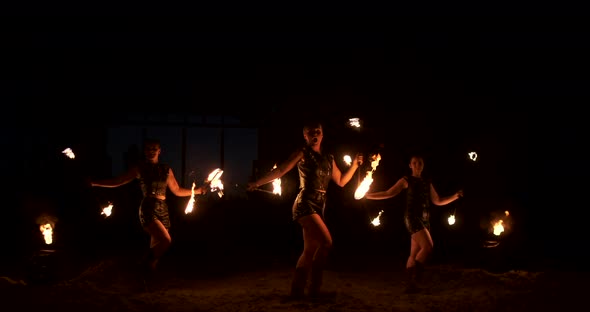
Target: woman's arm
400, 185
441, 201
342, 179
125, 178
280, 171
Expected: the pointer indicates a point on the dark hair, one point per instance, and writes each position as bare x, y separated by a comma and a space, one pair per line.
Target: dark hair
150, 141
312, 124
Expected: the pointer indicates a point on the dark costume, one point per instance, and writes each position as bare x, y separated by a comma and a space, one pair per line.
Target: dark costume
315, 172
153, 180
417, 215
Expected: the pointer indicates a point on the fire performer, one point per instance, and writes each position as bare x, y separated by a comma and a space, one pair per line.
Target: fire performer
420, 192
316, 168
154, 178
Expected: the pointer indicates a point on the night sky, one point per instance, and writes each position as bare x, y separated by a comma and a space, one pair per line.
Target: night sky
441, 92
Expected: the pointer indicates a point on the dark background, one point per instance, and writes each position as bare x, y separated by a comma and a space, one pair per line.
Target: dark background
513, 94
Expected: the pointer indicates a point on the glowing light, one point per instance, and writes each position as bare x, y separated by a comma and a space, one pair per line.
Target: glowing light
69, 153
376, 221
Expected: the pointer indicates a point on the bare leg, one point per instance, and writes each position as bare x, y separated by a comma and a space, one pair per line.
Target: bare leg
424, 241
160, 241
420, 250
317, 243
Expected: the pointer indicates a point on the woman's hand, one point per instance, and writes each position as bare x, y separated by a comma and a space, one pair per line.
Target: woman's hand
251, 186
459, 193
203, 189
358, 159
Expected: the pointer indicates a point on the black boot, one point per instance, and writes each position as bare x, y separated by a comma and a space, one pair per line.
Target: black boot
419, 271
298, 284
315, 284
316, 281
411, 282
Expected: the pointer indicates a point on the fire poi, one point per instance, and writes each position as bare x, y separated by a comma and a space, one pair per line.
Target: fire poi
214, 181
46, 224
498, 226
354, 122
191, 201
363, 188
276, 184
69, 153
47, 232
348, 160
451, 219
376, 221
106, 211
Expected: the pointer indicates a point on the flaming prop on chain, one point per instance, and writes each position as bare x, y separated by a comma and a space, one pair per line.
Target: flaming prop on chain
363, 188
499, 225
214, 180
276, 184
69, 153
47, 232
376, 221
191, 201
46, 226
354, 122
451, 219
472, 156
106, 211
348, 160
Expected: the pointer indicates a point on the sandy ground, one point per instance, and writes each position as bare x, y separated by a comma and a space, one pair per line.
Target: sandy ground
112, 283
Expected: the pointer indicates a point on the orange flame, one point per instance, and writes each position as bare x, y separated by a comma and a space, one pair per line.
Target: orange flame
107, 210
363, 188
276, 184
214, 180
191, 201
451, 219
376, 221
499, 225
47, 231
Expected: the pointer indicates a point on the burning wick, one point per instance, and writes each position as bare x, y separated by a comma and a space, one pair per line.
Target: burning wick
47, 232
472, 156
354, 122
366, 183
276, 184
215, 182
451, 219
499, 225
107, 210
191, 201
498, 228
347, 160
376, 221
69, 153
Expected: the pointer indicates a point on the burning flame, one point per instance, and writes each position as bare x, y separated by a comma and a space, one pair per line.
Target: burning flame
276, 184
47, 231
499, 225
347, 160
215, 182
191, 201
451, 219
354, 122
69, 153
107, 210
376, 221
472, 156
366, 183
